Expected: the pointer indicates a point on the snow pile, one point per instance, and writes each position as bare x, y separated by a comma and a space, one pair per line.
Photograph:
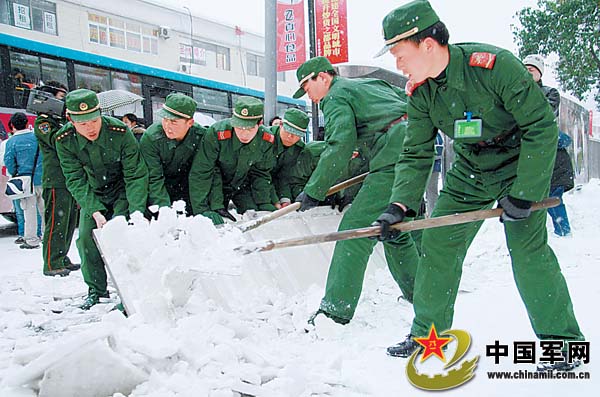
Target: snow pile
156, 264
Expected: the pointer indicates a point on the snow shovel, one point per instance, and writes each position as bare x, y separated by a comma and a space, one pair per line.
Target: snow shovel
126, 300
455, 219
294, 206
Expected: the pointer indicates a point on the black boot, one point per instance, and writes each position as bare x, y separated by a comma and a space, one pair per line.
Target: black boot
57, 272
72, 266
404, 348
92, 299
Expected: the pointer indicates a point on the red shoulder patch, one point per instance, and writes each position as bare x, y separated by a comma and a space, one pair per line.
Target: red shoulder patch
268, 137
411, 86
355, 154
482, 60
223, 135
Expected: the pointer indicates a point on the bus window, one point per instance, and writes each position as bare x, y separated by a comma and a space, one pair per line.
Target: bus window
25, 75
131, 83
94, 79
157, 102
53, 70
209, 99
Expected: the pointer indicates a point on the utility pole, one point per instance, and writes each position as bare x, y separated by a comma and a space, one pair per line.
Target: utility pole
270, 60
313, 53
191, 38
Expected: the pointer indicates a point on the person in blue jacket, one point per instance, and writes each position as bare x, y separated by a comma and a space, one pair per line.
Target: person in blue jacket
22, 157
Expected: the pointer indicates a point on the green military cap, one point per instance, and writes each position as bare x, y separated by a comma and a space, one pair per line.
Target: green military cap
295, 121
178, 106
82, 105
406, 21
247, 112
309, 69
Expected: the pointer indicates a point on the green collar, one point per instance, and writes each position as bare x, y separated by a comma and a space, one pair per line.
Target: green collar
455, 71
190, 140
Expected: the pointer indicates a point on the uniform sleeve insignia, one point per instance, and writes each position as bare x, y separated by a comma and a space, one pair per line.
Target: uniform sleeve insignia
355, 154
44, 127
268, 137
411, 86
482, 60
223, 135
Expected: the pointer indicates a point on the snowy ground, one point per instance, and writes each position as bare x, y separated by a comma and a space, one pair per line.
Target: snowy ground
259, 346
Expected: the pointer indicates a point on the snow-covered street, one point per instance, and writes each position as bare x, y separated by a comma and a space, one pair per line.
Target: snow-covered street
259, 346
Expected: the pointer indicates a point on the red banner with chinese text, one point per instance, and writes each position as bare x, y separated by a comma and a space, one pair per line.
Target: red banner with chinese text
332, 30
291, 51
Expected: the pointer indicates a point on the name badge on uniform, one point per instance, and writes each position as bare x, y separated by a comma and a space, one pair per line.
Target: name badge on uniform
469, 128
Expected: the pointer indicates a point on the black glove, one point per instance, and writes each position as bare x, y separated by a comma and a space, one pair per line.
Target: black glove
306, 201
392, 215
343, 202
514, 209
226, 214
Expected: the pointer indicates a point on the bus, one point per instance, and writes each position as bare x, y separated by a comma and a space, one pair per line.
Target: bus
26, 64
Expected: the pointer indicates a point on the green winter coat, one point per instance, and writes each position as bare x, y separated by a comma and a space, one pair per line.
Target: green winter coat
169, 162
358, 114
224, 167
106, 173
45, 129
515, 117
286, 161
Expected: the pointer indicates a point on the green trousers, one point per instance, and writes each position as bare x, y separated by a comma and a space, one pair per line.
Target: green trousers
535, 268
92, 265
350, 257
60, 218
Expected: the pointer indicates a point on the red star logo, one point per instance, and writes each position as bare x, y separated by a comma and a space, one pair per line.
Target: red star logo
433, 344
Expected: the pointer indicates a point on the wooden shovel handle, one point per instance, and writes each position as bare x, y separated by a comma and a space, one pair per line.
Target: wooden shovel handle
294, 206
370, 231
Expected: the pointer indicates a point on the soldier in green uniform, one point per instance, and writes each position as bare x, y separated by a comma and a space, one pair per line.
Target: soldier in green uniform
168, 148
234, 163
60, 208
287, 147
505, 142
363, 114
106, 175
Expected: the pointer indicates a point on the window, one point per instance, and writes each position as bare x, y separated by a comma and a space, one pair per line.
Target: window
38, 15
185, 54
150, 40
211, 99
207, 54
118, 33
54, 70
94, 79
223, 58
29, 71
131, 83
256, 66
134, 37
